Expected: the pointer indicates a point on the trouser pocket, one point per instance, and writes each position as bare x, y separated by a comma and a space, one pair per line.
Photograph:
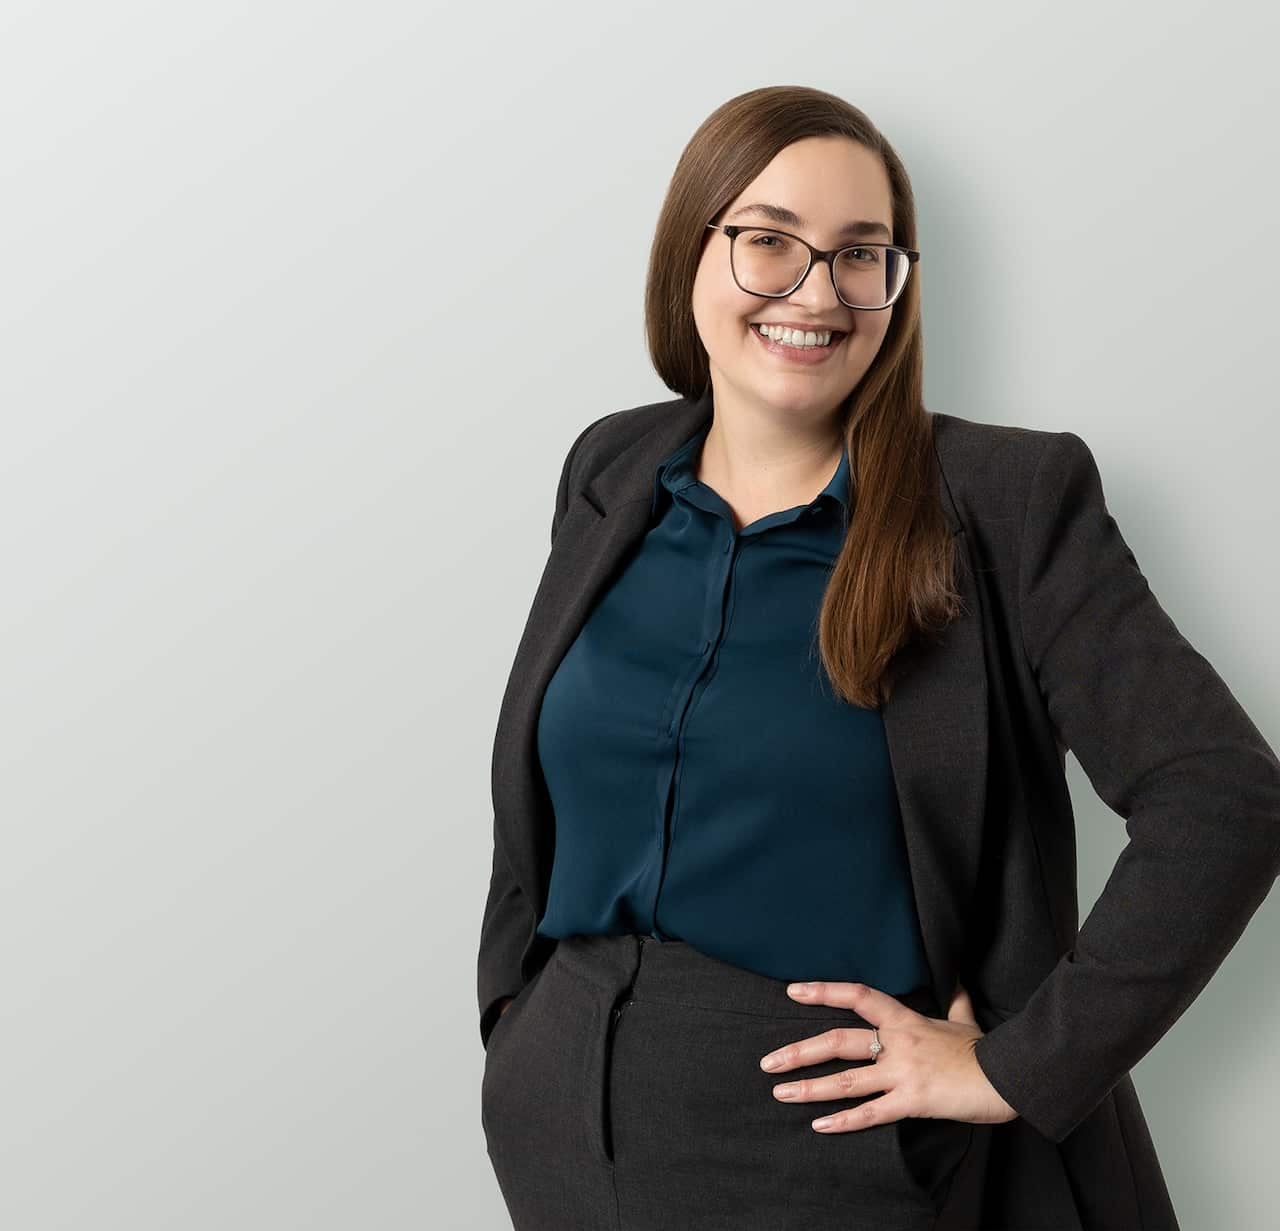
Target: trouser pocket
931, 1152
600, 1090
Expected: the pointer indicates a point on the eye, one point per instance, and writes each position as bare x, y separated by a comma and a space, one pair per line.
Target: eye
861, 256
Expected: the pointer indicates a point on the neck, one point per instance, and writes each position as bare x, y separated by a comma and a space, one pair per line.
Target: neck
766, 458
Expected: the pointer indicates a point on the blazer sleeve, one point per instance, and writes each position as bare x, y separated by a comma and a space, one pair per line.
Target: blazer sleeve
508, 920
1167, 747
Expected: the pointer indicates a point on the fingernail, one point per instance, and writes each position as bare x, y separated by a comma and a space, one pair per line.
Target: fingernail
825, 1122
771, 1062
786, 1090
800, 989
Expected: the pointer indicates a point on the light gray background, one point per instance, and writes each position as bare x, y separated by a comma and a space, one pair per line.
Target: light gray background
301, 306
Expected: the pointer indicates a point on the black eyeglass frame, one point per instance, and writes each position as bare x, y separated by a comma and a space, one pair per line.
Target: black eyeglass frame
828, 258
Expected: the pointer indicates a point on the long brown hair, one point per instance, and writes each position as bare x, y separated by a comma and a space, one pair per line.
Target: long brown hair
895, 576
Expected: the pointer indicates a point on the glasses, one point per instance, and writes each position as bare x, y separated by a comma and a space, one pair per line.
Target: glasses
774, 263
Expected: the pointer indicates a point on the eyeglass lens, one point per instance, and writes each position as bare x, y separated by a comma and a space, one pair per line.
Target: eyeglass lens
769, 263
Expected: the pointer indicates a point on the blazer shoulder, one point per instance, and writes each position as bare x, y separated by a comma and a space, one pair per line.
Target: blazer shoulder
959, 440
989, 468
604, 438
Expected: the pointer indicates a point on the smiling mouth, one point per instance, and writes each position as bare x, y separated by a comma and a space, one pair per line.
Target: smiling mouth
837, 337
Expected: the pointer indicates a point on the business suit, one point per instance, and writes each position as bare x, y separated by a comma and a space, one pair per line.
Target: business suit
1062, 644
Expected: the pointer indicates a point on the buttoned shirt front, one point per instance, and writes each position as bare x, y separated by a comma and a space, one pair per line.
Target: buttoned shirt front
707, 783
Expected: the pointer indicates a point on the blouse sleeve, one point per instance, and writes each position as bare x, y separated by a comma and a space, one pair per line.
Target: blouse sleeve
1168, 748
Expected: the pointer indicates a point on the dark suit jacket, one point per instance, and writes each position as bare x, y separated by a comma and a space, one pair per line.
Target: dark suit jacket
1063, 645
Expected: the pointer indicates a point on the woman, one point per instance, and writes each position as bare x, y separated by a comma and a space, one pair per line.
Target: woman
792, 704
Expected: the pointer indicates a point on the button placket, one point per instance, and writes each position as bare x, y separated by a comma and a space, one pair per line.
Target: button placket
715, 616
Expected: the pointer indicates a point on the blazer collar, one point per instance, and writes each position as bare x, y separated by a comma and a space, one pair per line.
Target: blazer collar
631, 474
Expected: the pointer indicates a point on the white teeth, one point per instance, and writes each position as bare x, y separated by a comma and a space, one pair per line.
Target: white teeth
793, 337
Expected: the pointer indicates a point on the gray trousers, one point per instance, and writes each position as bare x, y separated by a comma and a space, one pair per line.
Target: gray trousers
623, 1091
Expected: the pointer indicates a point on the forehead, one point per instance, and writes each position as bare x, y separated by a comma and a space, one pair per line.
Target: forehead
828, 187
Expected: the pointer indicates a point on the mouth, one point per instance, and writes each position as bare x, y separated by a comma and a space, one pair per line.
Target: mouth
800, 354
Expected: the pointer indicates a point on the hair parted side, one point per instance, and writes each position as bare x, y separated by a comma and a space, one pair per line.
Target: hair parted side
894, 579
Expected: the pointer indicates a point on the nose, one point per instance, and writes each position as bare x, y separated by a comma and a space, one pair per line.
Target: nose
817, 289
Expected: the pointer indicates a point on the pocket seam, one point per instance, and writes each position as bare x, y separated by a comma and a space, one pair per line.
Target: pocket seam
944, 1189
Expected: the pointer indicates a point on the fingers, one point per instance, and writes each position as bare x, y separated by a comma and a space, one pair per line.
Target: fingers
882, 1110
961, 1007
840, 1042
849, 1083
894, 1104
871, 1004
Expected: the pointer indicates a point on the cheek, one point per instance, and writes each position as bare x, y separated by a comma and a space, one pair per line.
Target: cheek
721, 316
733, 329
869, 334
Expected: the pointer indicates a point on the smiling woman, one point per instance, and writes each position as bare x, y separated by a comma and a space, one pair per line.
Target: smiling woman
766, 237
792, 703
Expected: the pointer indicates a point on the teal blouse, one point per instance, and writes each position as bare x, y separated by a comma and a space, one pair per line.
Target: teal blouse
707, 784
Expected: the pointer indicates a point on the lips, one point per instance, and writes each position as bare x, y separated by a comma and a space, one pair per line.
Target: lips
800, 356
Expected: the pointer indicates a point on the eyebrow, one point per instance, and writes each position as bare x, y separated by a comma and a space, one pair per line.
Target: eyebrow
780, 213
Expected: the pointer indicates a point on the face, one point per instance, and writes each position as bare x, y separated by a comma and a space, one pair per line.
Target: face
827, 182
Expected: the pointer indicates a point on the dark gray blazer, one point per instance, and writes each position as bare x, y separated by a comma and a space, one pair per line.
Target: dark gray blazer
1063, 646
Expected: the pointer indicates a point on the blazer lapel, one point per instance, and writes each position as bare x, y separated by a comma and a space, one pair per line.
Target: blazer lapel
602, 524
935, 721
935, 724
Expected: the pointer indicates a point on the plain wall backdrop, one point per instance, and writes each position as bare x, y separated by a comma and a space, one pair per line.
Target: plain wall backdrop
301, 306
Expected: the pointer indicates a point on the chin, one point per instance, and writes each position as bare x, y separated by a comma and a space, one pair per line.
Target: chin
794, 395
